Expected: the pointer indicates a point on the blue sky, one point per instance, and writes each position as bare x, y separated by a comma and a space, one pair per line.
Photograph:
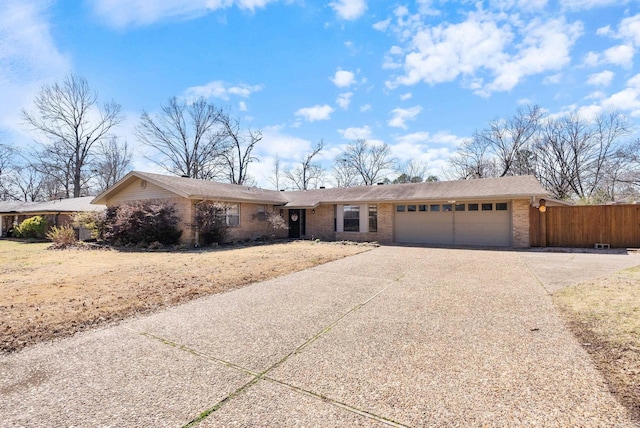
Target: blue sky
420, 76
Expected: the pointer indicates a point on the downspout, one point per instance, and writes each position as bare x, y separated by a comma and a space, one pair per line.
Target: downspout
197, 231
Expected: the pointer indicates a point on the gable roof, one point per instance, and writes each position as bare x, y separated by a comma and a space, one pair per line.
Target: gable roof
502, 187
55, 206
198, 189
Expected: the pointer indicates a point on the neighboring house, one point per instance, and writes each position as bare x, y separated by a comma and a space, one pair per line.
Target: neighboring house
58, 212
483, 212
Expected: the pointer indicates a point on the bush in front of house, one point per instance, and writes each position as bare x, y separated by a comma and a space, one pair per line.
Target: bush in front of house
62, 237
212, 223
32, 228
141, 223
93, 221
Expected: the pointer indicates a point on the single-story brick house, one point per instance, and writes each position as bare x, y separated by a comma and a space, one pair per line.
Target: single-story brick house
482, 212
58, 212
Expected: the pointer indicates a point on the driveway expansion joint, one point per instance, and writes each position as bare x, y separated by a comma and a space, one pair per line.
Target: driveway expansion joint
257, 377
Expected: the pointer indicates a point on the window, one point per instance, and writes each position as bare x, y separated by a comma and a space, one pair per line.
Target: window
261, 212
501, 206
232, 215
373, 218
422, 207
411, 208
435, 208
351, 218
487, 207
459, 207
472, 207
447, 207
400, 208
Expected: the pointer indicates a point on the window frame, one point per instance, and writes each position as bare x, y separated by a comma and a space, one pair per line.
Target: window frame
351, 220
373, 218
229, 216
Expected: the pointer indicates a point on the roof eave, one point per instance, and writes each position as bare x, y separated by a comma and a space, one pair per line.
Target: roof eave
237, 200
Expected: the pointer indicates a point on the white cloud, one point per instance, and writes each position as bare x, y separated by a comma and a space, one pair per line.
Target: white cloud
365, 107
441, 53
344, 100
242, 106
382, 25
123, 13
355, 133
406, 96
220, 89
399, 116
546, 47
621, 55
343, 78
29, 58
587, 4
630, 29
603, 78
491, 52
317, 112
591, 59
277, 142
349, 9
432, 150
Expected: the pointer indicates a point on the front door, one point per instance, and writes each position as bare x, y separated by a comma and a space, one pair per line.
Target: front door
294, 224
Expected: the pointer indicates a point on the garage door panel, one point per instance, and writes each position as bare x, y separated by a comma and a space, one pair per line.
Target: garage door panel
413, 227
479, 228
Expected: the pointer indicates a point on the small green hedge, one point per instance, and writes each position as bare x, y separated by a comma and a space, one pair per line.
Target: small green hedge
32, 228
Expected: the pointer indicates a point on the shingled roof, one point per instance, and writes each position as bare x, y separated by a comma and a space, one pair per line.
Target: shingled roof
70, 205
488, 188
200, 189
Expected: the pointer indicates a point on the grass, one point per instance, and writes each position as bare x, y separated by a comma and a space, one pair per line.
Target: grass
46, 294
605, 316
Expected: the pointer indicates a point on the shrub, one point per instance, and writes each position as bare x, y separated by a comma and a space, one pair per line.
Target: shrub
32, 228
62, 236
211, 223
141, 224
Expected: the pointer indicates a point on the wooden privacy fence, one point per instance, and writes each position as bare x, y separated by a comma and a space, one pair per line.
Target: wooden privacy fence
585, 226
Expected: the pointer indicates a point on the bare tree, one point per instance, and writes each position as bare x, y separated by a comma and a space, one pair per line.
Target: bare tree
112, 163
413, 171
580, 157
57, 165
343, 175
6, 162
69, 117
276, 173
188, 137
510, 141
472, 160
369, 161
308, 173
239, 145
27, 185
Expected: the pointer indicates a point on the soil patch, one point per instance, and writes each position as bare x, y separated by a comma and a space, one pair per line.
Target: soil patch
49, 294
605, 316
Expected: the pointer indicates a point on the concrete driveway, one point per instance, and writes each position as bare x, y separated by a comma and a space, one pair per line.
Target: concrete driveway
396, 336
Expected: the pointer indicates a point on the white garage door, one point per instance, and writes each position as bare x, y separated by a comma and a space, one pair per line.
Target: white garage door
481, 223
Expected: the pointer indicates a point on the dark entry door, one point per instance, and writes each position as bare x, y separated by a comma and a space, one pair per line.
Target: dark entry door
295, 219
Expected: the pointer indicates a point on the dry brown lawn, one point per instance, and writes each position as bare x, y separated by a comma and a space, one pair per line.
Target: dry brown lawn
605, 316
46, 294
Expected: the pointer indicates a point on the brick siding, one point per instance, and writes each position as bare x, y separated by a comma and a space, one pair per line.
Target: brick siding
520, 223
